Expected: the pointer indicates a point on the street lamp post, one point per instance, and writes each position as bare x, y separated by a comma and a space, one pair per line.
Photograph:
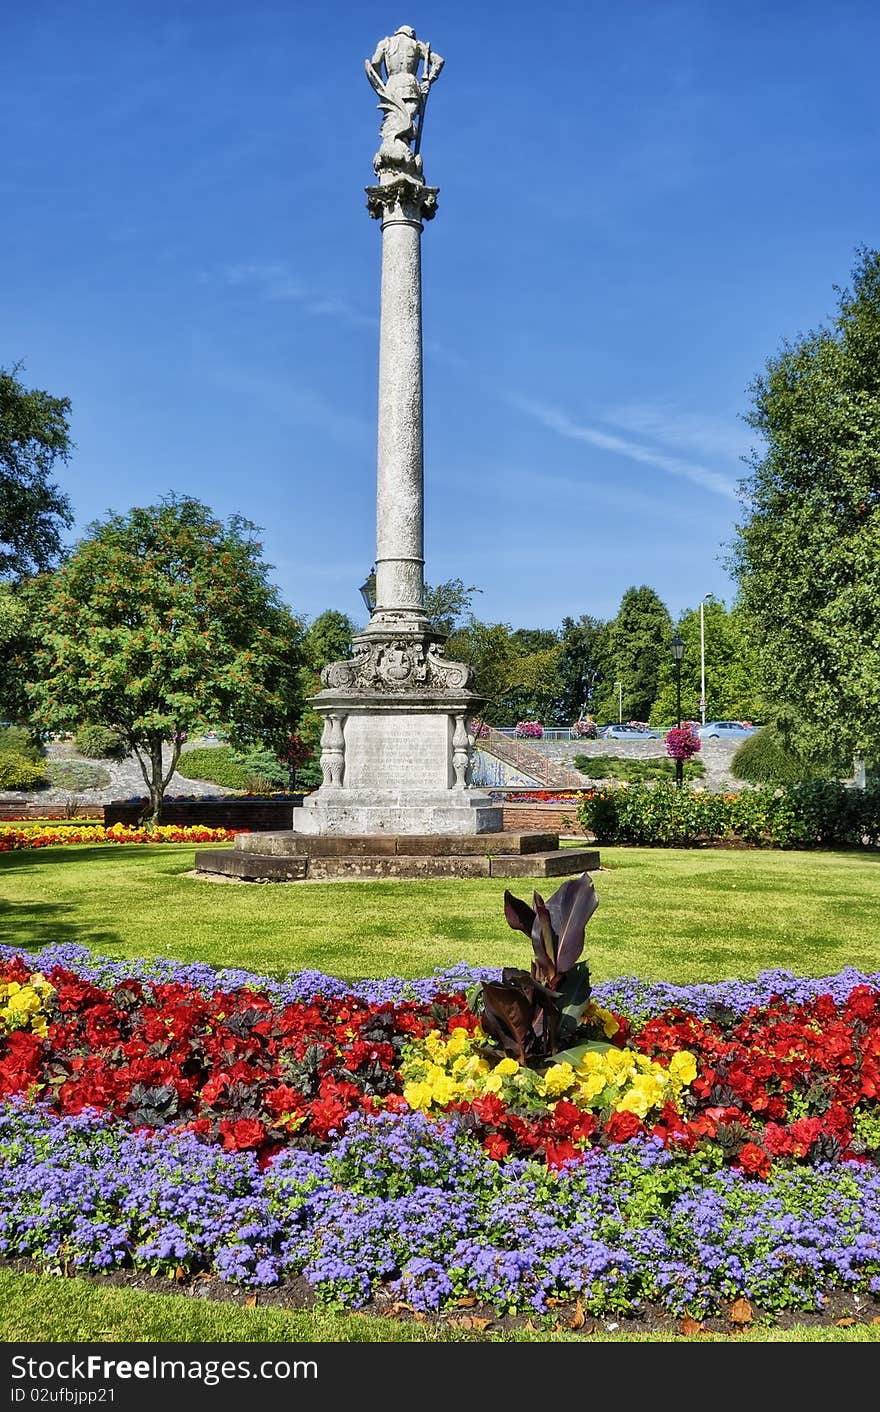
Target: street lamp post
677, 646
619, 685
702, 664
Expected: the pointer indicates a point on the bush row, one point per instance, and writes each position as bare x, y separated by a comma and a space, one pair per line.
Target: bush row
804, 815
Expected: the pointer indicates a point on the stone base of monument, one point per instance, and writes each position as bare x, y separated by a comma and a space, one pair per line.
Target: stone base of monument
347, 812
288, 857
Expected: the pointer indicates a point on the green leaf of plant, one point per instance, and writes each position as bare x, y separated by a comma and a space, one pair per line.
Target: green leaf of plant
574, 1055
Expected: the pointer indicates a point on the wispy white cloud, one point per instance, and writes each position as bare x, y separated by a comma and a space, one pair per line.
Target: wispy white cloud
712, 437
563, 425
275, 282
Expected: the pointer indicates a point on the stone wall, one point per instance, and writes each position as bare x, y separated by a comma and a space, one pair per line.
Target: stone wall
543, 818
252, 814
11, 813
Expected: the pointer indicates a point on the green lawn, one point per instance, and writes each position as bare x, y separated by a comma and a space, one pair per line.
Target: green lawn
46, 1309
673, 914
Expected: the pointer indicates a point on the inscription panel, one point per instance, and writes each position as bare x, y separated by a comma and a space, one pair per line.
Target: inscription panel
397, 751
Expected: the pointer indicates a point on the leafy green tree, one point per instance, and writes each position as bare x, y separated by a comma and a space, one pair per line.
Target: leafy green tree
532, 692
638, 645
585, 670
518, 679
16, 651
807, 554
732, 690
162, 623
327, 639
34, 435
448, 604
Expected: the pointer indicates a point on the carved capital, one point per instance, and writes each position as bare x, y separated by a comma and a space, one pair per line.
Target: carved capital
414, 200
397, 666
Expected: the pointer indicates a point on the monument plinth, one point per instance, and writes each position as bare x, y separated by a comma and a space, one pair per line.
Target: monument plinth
395, 751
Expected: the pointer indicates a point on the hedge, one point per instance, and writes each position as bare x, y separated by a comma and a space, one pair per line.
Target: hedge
809, 814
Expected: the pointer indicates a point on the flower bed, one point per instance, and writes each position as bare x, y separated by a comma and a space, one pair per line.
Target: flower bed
47, 836
714, 1142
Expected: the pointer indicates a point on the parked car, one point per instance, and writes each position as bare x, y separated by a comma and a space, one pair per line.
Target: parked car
626, 731
725, 730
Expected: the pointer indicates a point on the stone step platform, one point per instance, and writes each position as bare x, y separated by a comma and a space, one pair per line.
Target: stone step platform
293, 857
288, 841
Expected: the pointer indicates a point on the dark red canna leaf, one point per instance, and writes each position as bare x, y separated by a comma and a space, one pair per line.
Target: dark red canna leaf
570, 908
518, 913
508, 1012
544, 940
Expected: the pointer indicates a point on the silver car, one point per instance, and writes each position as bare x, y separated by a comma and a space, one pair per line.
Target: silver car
725, 730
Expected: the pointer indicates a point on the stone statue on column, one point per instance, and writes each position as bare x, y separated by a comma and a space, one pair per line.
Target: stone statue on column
394, 73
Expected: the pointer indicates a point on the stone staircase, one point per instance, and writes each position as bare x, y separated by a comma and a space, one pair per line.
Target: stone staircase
548, 773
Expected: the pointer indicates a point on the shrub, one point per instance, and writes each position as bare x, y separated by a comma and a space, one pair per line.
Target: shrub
215, 763
634, 770
18, 740
99, 742
265, 766
220, 764
18, 771
765, 758
812, 813
77, 774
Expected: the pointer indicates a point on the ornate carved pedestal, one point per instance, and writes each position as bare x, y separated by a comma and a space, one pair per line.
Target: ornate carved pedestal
395, 751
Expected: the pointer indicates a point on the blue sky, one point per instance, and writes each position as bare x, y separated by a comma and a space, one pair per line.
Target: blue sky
638, 202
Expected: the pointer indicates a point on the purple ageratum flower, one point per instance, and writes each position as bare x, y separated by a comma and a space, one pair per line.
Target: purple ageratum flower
630, 995
414, 1208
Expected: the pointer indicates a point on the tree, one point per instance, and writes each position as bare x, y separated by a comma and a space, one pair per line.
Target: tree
327, 639
34, 435
516, 682
160, 623
732, 687
16, 651
448, 604
807, 554
584, 666
638, 646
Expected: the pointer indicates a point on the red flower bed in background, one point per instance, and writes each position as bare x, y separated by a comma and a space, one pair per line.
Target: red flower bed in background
48, 837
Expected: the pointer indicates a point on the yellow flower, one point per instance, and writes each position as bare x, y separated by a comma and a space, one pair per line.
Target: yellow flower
558, 1079
683, 1067
591, 1086
442, 1088
433, 1042
457, 1042
507, 1066
418, 1095
647, 1092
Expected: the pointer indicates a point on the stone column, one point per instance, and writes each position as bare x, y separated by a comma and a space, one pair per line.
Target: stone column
401, 204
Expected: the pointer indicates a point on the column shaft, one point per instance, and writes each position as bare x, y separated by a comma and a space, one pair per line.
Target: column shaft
400, 552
